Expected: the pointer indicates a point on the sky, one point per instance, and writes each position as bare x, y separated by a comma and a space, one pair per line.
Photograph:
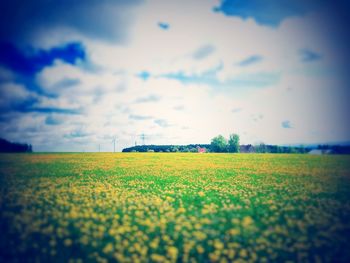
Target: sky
76, 74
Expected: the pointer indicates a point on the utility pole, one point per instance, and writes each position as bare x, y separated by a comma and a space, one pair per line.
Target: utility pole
99, 148
114, 140
143, 138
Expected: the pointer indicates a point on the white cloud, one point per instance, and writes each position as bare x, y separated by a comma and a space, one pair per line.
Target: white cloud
11, 92
181, 113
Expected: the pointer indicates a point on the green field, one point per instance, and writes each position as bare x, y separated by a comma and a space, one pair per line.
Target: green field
179, 207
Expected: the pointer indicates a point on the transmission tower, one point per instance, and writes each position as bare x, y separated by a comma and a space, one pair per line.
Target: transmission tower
143, 138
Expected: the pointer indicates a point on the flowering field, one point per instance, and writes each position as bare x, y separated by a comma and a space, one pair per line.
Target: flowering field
174, 208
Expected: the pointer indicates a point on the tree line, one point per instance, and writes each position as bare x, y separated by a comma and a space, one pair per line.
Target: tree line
220, 144
167, 148
11, 147
231, 145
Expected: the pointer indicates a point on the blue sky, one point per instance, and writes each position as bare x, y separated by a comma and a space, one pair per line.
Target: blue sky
268, 12
75, 74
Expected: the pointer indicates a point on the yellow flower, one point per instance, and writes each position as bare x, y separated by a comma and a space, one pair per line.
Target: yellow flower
213, 257
199, 235
157, 258
231, 253
243, 253
200, 249
235, 221
67, 242
108, 248
181, 210
234, 231
170, 199
218, 245
154, 244
137, 247
84, 239
173, 252
247, 221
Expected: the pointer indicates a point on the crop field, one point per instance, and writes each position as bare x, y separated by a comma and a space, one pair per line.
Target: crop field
181, 207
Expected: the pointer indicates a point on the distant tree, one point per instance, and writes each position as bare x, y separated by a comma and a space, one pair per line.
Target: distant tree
6, 146
279, 149
185, 150
261, 148
293, 150
233, 143
302, 149
219, 144
193, 150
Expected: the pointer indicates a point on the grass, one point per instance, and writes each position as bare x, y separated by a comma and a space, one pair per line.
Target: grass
179, 207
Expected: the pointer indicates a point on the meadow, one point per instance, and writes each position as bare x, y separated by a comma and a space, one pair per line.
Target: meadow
175, 207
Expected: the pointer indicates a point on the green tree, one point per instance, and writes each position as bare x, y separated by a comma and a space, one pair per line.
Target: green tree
261, 148
193, 150
219, 144
233, 143
279, 149
174, 149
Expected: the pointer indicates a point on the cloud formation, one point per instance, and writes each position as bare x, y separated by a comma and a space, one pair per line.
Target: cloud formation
139, 117
270, 12
250, 60
203, 52
199, 74
286, 124
26, 21
150, 98
14, 59
163, 25
309, 56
